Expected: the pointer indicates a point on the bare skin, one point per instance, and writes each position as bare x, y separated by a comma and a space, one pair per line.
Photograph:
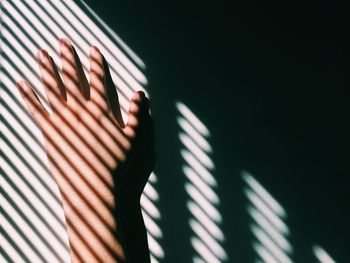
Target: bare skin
99, 164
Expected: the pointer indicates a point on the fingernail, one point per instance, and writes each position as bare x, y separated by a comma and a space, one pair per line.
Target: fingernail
140, 95
21, 85
42, 54
65, 41
94, 50
137, 97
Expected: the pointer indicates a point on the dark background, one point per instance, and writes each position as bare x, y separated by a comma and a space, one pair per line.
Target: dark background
269, 81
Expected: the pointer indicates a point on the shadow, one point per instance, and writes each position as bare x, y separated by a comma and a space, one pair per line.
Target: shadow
32, 227
129, 201
72, 157
13, 245
124, 72
19, 230
78, 40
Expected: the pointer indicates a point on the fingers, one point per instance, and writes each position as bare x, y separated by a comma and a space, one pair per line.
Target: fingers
112, 95
84, 84
100, 93
103, 91
72, 71
97, 78
34, 105
51, 79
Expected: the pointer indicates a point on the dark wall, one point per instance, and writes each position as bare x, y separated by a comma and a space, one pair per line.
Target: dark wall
269, 81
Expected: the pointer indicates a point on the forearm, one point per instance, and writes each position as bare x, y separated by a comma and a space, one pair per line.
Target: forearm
134, 231
94, 235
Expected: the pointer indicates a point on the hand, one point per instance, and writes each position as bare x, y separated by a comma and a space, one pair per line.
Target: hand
97, 161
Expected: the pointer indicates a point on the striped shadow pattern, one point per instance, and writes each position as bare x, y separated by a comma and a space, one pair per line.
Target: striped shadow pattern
152, 217
268, 223
203, 202
33, 227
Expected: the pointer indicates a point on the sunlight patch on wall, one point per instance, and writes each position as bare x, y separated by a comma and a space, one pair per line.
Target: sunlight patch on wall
268, 223
205, 221
33, 223
152, 217
321, 255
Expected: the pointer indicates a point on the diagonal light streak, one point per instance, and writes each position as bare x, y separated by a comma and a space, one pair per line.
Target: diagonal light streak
270, 244
27, 230
210, 242
264, 254
205, 205
203, 251
9, 252
87, 34
270, 230
205, 220
26, 27
196, 151
201, 217
263, 194
119, 54
266, 211
198, 167
196, 180
29, 212
268, 227
152, 217
194, 134
321, 255
18, 246
192, 118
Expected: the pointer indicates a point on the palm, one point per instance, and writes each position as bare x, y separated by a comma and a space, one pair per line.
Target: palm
85, 145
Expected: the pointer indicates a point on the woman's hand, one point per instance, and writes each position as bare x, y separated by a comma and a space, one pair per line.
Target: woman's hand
97, 161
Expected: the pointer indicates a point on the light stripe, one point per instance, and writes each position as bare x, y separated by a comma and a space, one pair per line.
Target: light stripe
153, 259
266, 241
53, 39
86, 20
151, 225
203, 251
151, 192
266, 211
196, 151
191, 117
198, 260
196, 180
17, 238
43, 22
83, 47
10, 251
87, 34
27, 230
56, 220
154, 247
150, 207
206, 206
194, 134
264, 254
34, 219
196, 165
322, 255
201, 217
264, 224
210, 242
263, 194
